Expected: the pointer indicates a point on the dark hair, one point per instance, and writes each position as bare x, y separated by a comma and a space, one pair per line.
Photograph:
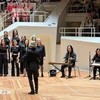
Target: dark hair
97, 50
25, 38
5, 32
4, 41
13, 33
72, 50
13, 42
33, 38
28, 42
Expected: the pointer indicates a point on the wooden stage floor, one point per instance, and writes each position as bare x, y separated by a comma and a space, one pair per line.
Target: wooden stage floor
50, 88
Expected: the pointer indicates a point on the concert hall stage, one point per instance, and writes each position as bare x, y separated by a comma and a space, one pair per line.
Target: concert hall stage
51, 88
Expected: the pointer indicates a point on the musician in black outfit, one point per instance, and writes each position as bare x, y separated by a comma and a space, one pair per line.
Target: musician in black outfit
96, 59
25, 61
33, 65
22, 52
15, 36
3, 58
14, 56
70, 58
41, 49
7, 40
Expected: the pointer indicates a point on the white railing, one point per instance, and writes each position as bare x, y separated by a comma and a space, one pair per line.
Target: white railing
38, 16
34, 16
42, 17
76, 9
77, 31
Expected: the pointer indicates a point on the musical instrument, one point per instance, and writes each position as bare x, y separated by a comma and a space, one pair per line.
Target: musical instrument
95, 64
58, 63
69, 61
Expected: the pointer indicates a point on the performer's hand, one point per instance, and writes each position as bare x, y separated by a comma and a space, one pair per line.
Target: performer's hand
17, 58
11, 59
17, 61
64, 61
91, 62
70, 58
44, 58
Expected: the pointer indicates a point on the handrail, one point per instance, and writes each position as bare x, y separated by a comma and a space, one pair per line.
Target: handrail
77, 31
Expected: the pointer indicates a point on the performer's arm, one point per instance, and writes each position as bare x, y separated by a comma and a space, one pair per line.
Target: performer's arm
93, 59
65, 58
44, 52
24, 57
73, 58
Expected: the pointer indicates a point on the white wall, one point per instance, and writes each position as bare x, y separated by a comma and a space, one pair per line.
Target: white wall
48, 37
81, 47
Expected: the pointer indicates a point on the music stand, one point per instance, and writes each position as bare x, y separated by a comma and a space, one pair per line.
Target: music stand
89, 66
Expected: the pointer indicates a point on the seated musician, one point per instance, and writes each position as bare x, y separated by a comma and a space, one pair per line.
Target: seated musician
70, 59
96, 59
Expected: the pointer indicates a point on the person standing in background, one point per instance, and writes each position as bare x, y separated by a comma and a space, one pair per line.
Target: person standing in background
14, 56
7, 41
15, 36
41, 49
22, 50
3, 58
25, 61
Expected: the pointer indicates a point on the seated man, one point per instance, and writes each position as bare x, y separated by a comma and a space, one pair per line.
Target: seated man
96, 59
69, 58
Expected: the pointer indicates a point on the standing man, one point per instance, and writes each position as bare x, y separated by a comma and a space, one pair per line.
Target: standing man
33, 66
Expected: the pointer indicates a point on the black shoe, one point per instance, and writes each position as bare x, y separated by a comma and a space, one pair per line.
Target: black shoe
94, 78
69, 77
36, 91
13, 75
38, 74
18, 75
5, 74
42, 75
32, 92
62, 76
1, 75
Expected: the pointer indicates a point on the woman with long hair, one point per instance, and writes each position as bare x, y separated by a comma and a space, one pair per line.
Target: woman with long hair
22, 50
70, 59
26, 49
15, 36
3, 58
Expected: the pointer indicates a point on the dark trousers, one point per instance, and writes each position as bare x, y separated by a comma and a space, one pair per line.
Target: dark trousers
69, 69
95, 70
31, 74
21, 67
21, 63
3, 64
14, 63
